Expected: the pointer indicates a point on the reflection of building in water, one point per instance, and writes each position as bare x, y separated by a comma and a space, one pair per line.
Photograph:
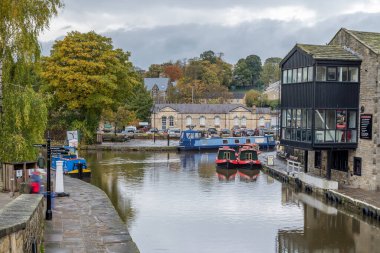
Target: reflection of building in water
326, 229
193, 161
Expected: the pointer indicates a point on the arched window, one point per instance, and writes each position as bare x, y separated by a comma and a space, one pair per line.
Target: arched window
171, 121
236, 121
217, 120
261, 122
202, 121
244, 121
163, 119
188, 121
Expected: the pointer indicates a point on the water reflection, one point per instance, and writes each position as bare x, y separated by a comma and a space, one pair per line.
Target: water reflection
180, 203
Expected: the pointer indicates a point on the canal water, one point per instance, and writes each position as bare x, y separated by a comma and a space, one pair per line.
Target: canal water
180, 203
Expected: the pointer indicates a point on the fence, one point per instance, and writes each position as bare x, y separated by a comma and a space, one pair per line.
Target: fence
293, 167
14, 174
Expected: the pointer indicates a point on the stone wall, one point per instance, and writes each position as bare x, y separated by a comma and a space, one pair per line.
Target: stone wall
369, 100
22, 224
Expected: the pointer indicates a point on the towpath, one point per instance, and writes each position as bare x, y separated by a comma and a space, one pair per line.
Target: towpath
86, 221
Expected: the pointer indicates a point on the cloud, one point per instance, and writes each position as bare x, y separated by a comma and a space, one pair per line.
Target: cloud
159, 31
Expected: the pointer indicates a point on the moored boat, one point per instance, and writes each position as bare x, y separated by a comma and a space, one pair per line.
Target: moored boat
226, 157
248, 158
73, 165
192, 140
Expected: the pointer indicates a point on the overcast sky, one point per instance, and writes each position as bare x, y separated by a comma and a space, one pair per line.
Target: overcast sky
157, 31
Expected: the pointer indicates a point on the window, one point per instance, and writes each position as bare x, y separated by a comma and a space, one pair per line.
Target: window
331, 74
351, 119
342, 74
236, 121
188, 121
299, 75
357, 166
225, 141
283, 118
310, 74
309, 118
285, 76
289, 76
294, 79
319, 119
244, 122
171, 121
353, 75
289, 118
304, 75
321, 73
262, 122
236, 141
298, 118
303, 118
340, 160
217, 121
202, 121
317, 159
163, 120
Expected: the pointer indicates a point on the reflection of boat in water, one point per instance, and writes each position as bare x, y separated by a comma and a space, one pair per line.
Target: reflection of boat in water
226, 174
226, 158
248, 158
248, 174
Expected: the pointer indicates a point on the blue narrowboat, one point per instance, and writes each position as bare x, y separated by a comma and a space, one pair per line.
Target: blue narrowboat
72, 164
192, 140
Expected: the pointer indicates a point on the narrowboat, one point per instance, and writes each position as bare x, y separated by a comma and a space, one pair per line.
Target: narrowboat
73, 165
226, 157
248, 158
192, 140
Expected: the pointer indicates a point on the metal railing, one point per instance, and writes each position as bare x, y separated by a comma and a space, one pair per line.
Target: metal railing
293, 167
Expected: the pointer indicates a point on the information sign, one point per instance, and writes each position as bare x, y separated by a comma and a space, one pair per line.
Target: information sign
366, 126
270, 160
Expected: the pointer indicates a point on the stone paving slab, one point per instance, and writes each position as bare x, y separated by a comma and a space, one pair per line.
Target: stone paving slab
86, 222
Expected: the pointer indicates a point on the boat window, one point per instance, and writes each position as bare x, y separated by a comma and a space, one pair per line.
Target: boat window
227, 155
236, 141
248, 141
190, 135
225, 142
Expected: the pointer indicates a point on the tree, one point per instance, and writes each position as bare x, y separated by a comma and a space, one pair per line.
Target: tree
174, 72
23, 118
85, 76
271, 71
209, 56
155, 71
247, 72
256, 98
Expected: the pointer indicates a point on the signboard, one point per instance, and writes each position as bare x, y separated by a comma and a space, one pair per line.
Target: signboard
72, 135
270, 160
18, 173
366, 126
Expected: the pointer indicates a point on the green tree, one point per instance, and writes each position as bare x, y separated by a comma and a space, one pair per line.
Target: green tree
86, 75
23, 111
256, 98
247, 72
209, 56
155, 71
271, 70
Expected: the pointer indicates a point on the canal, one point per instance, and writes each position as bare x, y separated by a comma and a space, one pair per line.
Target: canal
179, 202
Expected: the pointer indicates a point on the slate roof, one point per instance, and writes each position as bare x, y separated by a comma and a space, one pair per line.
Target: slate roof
201, 108
370, 39
161, 82
328, 52
238, 95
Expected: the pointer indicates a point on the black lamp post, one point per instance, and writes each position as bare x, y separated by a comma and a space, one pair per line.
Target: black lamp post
49, 214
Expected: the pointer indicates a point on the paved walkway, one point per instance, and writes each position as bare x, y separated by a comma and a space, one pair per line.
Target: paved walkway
86, 222
5, 198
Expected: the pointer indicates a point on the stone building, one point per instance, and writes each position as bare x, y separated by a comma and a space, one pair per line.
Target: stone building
273, 91
335, 88
204, 116
158, 88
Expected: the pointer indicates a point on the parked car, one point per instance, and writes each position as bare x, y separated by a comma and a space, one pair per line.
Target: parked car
225, 132
152, 130
250, 132
174, 132
236, 132
212, 131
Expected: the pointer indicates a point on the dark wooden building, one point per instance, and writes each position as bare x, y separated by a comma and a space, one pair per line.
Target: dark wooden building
320, 102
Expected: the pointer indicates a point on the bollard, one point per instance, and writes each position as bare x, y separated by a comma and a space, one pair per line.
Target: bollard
80, 171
